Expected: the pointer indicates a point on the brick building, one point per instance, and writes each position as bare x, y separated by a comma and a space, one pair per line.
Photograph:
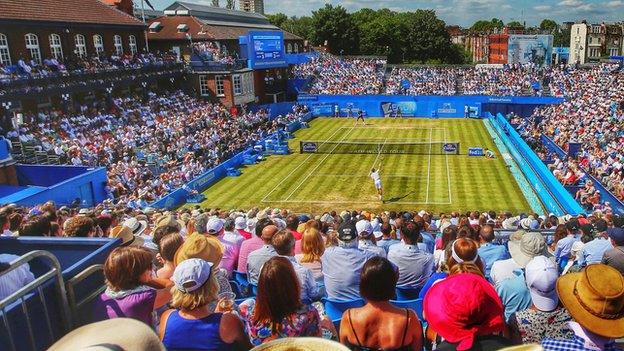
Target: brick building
592, 42
39, 29
185, 24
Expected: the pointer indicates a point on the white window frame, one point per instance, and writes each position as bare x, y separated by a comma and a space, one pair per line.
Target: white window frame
5, 53
132, 44
81, 45
219, 86
289, 48
204, 90
118, 44
237, 83
56, 47
32, 45
98, 44
296, 48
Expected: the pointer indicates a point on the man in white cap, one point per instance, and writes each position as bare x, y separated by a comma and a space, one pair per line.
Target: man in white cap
229, 238
545, 318
366, 238
240, 224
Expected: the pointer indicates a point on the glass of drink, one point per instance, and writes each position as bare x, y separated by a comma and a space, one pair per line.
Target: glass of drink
226, 302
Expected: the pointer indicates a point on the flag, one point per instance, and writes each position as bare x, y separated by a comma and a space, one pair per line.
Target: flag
149, 4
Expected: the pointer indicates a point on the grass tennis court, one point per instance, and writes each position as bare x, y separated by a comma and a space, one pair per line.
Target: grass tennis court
316, 182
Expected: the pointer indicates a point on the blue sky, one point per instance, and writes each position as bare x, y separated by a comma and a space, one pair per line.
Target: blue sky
462, 12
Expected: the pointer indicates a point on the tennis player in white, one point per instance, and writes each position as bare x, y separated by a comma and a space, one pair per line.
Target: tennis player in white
374, 174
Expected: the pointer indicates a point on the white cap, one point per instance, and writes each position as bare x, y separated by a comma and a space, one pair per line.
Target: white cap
541, 278
240, 223
214, 225
364, 226
191, 274
251, 224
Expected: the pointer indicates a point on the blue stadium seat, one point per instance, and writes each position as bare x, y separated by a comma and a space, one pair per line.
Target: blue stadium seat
236, 289
335, 308
404, 294
240, 278
416, 305
253, 290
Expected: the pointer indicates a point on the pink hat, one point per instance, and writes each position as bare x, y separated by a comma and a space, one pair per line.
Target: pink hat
463, 306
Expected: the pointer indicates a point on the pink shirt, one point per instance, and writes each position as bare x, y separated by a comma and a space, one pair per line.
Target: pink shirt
297, 247
247, 247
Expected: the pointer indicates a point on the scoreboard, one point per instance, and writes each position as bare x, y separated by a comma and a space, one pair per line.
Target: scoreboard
265, 49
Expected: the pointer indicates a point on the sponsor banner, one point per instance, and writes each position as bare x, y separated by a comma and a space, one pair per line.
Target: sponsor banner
407, 108
476, 151
309, 147
450, 148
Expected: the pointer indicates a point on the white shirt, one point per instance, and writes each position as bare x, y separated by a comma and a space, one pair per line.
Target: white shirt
16, 279
375, 176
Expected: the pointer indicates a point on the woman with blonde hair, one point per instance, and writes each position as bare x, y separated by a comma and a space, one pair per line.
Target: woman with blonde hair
191, 325
312, 248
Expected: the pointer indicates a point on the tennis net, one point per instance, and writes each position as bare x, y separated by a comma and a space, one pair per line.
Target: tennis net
388, 147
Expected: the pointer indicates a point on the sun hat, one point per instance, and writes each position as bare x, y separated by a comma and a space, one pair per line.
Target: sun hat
196, 245
576, 247
301, 344
125, 234
595, 299
347, 232
168, 220
454, 304
240, 223
115, 334
137, 227
541, 278
364, 227
214, 225
530, 245
191, 274
617, 235
251, 225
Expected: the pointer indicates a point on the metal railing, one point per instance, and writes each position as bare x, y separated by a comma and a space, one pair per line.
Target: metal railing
36, 287
76, 305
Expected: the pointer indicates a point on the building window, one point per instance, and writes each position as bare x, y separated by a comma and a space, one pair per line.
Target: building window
289, 48
220, 89
118, 45
248, 83
296, 48
56, 49
203, 86
613, 52
238, 84
98, 44
32, 45
81, 45
133, 44
5, 54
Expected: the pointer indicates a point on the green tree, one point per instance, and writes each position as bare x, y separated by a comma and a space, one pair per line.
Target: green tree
277, 19
427, 37
515, 24
382, 33
301, 26
562, 38
484, 26
336, 26
549, 25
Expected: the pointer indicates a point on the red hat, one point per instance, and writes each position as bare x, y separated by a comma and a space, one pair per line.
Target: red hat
463, 306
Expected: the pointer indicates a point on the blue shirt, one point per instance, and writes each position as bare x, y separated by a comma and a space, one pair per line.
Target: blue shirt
386, 243
309, 289
564, 246
341, 268
181, 333
575, 344
415, 265
432, 280
429, 241
491, 253
256, 260
514, 294
593, 251
368, 245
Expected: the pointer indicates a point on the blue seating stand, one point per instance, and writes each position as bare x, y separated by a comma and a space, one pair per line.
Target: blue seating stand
233, 172
335, 308
403, 294
416, 305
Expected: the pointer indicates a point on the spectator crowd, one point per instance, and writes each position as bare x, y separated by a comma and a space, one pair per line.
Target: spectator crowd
180, 274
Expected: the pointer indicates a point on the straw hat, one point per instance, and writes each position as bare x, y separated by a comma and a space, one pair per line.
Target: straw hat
197, 245
125, 234
118, 333
301, 344
595, 299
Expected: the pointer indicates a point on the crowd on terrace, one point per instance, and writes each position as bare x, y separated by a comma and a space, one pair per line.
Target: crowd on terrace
423, 81
210, 51
175, 272
591, 115
333, 75
149, 148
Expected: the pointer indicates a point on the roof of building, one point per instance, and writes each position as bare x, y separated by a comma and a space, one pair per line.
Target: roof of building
212, 13
199, 29
73, 11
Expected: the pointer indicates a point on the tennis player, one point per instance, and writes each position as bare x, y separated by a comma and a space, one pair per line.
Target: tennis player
374, 174
360, 116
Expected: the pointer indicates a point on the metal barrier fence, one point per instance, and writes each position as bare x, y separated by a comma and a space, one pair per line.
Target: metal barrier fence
23, 295
78, 316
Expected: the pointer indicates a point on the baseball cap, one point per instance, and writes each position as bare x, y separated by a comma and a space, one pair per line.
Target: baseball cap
347, 232
240, 223
191, 274
617, 234
541, 278
364, 227
214, 225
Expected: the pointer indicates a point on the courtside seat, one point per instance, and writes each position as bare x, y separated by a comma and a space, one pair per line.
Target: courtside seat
403, 294
335, 308
416, 305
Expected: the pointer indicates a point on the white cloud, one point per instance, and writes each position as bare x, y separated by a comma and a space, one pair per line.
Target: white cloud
615, 3
542, 7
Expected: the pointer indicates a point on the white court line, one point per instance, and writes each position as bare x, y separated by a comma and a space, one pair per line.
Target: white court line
294, 170
379, 153
429, 165
448, 173
401, 127
356, 202
366, 175
318, 165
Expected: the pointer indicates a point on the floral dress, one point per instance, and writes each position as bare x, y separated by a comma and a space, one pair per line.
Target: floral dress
304, 322
533, 325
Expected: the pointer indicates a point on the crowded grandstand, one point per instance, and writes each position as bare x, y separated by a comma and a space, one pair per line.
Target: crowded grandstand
204, 178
